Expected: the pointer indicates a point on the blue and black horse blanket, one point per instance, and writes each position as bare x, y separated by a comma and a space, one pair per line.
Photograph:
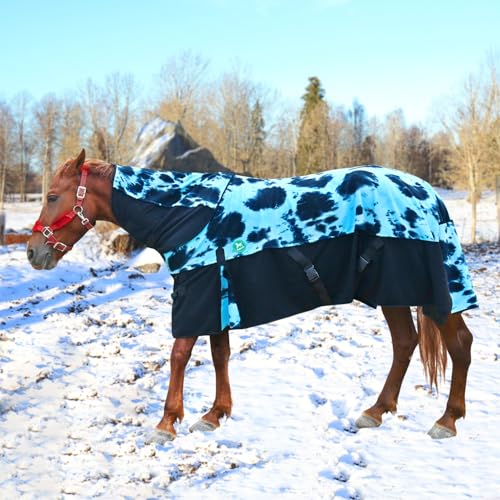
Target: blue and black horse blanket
369, 233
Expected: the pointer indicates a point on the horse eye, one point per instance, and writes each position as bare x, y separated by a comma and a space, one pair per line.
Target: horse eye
52, 197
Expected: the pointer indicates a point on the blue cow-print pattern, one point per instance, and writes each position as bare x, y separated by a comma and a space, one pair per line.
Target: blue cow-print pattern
251, 215
172, 189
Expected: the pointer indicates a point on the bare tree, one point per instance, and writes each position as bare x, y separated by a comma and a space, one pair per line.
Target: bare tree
471, 126
121, 95
6, 146
236, 98
179, 83
392, 145
23, 150
110, 111
281, 151
417, 153
71, 129
184, 94
46, 114
96, 109
337, 127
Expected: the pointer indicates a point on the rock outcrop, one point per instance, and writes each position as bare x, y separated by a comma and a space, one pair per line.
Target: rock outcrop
161, 145
165, 145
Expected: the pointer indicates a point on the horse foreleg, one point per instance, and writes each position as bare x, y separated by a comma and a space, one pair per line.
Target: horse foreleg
404, 341
223, 403
174, 405
458, 341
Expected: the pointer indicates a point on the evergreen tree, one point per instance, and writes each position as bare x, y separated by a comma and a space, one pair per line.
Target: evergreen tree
313, 143
257, 138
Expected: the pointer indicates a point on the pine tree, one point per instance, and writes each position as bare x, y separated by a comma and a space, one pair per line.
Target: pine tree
258, 136
313, 144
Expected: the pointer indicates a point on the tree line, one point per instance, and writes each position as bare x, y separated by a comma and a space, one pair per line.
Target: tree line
249, 129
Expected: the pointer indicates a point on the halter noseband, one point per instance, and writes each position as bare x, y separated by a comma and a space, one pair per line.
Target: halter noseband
65, 219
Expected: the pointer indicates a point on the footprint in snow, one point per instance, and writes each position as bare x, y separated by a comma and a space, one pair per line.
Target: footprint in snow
317, 400
345, 425
348, 492
319, 372
337, 474
354, 458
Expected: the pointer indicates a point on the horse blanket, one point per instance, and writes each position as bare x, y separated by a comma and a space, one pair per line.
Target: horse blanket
226, 239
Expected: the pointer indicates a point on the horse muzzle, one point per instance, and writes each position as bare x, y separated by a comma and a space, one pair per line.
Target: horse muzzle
41, 256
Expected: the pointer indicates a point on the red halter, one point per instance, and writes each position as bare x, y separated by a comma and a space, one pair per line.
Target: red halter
65, 219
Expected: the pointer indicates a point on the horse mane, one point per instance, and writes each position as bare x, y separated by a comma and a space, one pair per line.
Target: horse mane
99, 167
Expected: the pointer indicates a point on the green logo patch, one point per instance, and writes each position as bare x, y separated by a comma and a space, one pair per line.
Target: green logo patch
239, 246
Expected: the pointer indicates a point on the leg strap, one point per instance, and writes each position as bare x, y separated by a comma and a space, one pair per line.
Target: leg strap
229, 311
311, 274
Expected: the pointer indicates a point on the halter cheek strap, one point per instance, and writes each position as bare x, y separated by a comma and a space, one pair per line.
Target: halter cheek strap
65, 219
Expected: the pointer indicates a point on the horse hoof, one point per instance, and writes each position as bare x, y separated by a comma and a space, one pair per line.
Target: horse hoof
160, 437
438, 431
202, 426
366, 421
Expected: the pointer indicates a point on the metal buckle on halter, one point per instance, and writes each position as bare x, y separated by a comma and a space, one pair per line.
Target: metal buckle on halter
80, 192
61, 247
78, 210
47, 232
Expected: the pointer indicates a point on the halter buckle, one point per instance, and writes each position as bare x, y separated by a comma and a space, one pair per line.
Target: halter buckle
78, 210
81, 192
47, 232
60, 246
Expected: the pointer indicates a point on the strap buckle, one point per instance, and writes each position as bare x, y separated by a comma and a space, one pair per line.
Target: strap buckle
81, 192
47, 232
311, 273
362, 263
78, 210
60, 246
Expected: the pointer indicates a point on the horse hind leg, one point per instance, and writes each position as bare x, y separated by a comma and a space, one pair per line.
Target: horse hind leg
404, 340
223, 403
458, 341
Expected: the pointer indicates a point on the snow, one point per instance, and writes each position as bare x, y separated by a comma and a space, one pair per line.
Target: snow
84, 367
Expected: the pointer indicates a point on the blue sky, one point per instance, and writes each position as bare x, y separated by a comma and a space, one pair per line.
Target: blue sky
385, 53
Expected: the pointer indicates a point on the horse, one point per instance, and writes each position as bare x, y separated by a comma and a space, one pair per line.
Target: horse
365, 224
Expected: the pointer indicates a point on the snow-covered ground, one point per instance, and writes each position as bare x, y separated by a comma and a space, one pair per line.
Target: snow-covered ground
84, 370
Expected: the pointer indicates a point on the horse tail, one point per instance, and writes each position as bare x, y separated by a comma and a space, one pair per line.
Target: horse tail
432, 348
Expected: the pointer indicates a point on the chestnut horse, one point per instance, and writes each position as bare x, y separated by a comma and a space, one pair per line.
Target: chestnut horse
80, 195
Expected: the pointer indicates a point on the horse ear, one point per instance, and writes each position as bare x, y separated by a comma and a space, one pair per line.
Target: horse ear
80, 160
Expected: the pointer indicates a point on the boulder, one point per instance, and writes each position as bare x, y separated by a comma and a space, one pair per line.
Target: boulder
165, 145
161, 145
146, 261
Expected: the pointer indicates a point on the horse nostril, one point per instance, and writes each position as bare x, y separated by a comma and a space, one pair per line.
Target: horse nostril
31, 254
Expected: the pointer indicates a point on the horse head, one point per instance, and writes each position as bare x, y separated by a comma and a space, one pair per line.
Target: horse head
71, 208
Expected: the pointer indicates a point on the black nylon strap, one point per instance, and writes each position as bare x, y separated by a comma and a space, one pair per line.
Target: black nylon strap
367, 256
311, 274
220, 256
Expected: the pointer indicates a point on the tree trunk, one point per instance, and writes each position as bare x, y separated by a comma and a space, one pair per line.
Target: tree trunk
473, 223
498, 207
3, 172
22, 173
47, 169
